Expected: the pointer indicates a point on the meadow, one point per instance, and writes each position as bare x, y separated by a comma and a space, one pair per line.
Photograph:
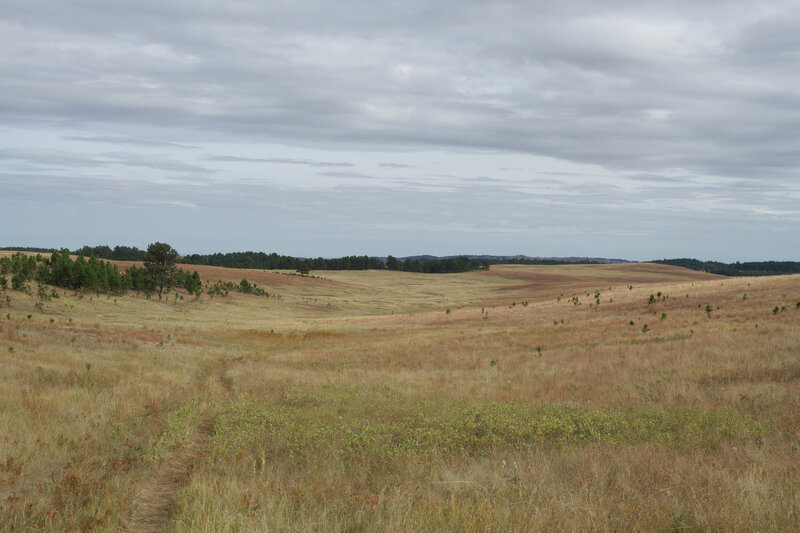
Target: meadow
524, 398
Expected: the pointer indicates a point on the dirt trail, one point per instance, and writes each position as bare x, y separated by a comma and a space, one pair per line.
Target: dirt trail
152, 505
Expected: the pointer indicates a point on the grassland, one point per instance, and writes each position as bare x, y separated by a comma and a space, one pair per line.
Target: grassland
587, 397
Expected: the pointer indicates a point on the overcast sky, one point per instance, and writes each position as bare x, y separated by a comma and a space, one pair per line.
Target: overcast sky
627, 129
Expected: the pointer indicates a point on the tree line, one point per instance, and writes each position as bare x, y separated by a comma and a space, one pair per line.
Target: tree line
118, 253
273, 261
752, 268
59, 269
445, 265
534, 261
159, 271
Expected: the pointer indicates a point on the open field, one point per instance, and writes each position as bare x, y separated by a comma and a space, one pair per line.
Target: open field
523, 398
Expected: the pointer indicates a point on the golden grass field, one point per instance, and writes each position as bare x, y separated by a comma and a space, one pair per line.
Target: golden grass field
523, 398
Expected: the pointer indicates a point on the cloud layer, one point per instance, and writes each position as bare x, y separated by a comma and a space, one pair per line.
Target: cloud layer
422, 126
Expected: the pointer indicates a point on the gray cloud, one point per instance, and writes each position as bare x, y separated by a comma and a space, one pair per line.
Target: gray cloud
395, 165
112, 139
279, 160
638, 102
54, 158
347, 174
347, 218
624, 85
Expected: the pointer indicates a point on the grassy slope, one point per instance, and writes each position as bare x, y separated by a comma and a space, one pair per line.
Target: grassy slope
357, 402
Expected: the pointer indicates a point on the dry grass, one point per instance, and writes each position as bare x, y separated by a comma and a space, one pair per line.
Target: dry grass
356, 402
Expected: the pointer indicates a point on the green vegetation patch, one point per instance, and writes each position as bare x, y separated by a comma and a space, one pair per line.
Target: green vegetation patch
177, 428
405, 427
88, 379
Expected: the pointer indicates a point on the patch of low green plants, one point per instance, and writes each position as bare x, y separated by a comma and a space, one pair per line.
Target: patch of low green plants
177, 428
358, 425
85, 380
223, 288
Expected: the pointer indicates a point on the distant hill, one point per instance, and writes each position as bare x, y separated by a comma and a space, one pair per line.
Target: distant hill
527, 260
521, 259
262, 260
416, 263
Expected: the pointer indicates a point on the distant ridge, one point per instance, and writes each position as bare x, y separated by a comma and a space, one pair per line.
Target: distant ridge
417, 263
127, 253
521, 259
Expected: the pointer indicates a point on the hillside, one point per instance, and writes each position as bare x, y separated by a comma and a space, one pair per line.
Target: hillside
577, 397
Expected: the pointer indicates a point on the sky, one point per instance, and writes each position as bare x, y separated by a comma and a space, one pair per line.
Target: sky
622, 129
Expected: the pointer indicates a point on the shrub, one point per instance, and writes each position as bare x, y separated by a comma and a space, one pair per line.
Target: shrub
245, 287
18, 282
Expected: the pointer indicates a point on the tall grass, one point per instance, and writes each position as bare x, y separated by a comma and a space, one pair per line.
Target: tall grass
339, 415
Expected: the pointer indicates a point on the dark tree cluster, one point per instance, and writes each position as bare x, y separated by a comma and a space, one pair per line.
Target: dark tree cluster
754, 268
61, 270
159, 272
437, 266
258, 260
533, 261
273, 261
350, 262
33, 249
118, 253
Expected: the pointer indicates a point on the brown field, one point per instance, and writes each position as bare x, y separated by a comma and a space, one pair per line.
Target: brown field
552, 398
